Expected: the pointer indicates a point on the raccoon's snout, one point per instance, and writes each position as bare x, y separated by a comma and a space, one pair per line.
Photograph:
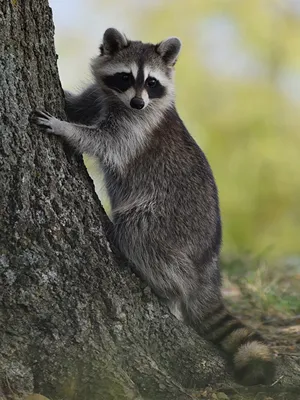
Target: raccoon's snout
137, 103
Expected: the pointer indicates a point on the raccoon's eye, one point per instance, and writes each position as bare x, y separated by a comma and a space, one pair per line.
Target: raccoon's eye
151, 82
125, 76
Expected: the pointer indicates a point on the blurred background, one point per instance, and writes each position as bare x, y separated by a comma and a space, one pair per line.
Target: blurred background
238, 91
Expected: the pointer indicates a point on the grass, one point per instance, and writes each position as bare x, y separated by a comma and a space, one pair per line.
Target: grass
268, 288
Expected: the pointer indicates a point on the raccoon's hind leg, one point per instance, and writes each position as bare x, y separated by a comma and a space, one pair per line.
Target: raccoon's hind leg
251, 357
175, 308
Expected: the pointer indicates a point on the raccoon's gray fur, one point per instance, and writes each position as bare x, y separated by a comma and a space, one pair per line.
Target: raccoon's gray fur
163, 196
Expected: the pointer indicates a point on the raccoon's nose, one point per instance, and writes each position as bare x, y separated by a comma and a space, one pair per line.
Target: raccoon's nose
137, 103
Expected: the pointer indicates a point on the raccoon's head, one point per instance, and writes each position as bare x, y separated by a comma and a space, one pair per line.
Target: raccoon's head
139, 74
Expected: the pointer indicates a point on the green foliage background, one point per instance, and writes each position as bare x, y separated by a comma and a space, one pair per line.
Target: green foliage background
248, 123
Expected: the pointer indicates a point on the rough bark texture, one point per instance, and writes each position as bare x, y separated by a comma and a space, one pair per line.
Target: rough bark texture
73, 323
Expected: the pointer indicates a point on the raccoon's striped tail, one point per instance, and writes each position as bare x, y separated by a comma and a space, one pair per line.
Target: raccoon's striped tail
252, 358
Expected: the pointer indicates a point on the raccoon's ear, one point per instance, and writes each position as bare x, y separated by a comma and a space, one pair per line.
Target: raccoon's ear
169, 50
113, 41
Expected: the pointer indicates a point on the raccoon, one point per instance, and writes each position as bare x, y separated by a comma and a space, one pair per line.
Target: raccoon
164, 199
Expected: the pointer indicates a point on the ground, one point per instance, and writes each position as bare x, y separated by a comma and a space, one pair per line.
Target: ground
265, 296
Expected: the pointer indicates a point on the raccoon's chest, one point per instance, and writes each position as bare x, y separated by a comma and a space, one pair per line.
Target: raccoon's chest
127, 141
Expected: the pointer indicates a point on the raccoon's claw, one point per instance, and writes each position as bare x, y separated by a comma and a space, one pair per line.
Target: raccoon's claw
43, 119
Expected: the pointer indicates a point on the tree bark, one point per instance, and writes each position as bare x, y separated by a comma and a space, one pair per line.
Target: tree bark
74, 324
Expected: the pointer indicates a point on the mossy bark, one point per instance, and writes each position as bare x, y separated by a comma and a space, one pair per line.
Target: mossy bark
74, 323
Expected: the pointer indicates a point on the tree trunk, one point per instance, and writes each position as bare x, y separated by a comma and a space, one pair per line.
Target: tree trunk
73, 323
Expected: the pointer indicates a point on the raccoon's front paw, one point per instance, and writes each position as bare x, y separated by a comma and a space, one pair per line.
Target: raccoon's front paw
44, 120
